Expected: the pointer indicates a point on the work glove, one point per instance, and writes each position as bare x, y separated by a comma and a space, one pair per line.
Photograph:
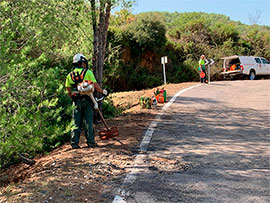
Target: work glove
105, 92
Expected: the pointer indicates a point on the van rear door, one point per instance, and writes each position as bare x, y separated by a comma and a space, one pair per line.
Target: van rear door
231, 63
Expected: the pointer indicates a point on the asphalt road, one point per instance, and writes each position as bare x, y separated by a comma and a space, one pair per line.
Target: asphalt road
210, 145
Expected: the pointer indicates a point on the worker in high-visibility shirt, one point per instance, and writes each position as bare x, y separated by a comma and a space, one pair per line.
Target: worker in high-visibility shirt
202, 69
83, 105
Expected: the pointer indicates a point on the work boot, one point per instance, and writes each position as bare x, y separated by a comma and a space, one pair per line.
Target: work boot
92, 145
75, 147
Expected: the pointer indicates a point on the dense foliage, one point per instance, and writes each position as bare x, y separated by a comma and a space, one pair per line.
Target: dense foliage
140, 41
37, 42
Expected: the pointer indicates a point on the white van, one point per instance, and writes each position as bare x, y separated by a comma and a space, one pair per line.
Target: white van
245, 66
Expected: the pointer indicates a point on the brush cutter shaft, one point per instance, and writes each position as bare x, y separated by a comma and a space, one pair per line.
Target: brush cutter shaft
94, 101
103, 120
96, 108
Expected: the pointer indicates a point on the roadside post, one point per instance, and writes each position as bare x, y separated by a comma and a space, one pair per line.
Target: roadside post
163, 61
208, 63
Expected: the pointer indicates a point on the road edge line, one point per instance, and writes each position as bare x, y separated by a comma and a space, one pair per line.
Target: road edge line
138, 161
176, 95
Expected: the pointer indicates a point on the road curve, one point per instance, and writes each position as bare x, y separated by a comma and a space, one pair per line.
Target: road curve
210, 145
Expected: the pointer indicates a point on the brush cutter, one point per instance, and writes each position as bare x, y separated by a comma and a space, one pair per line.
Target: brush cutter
88, 89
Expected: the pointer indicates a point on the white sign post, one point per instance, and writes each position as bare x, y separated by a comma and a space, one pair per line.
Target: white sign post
209, 73
163, 61
209, 62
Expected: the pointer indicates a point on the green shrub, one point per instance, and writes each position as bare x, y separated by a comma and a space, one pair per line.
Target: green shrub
147, 32
109, 110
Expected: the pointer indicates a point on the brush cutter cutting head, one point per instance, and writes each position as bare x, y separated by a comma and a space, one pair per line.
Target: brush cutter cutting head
107, 134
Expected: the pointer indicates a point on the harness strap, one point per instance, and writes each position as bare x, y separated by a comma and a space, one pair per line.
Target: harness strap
78, 78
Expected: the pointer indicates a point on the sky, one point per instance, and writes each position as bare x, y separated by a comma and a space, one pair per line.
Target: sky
237, 10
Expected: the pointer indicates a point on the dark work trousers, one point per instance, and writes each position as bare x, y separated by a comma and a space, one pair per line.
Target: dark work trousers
83, 112
203, 80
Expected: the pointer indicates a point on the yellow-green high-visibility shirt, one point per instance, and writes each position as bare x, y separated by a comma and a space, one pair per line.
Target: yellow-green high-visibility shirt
201, 62
88, 76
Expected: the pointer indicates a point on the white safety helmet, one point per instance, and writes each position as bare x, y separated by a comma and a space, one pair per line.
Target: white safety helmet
78, 58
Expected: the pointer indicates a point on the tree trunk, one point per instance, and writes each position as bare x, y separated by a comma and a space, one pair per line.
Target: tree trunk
100, 36
103, 38
100, 30
96, 34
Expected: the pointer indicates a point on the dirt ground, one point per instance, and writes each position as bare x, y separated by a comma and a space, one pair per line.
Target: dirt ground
86, 175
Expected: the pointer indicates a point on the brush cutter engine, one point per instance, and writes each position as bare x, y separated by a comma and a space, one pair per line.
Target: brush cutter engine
85, 88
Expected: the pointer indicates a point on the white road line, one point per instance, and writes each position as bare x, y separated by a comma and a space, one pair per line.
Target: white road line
148, 135
176, 95
138, 163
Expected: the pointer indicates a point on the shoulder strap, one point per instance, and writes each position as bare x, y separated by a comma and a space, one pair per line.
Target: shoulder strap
76, 77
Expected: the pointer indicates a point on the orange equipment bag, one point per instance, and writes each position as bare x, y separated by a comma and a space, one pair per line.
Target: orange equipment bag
157, 97
233, 67
161, 99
